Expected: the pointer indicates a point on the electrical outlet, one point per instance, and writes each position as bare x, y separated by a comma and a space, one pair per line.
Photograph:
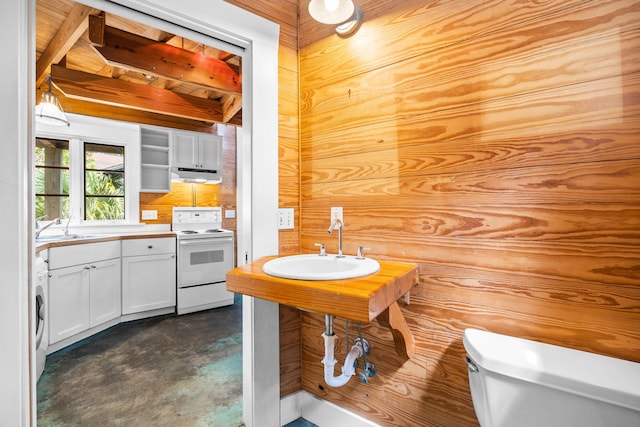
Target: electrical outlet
149, 215
336, 213
229, 213
285, 219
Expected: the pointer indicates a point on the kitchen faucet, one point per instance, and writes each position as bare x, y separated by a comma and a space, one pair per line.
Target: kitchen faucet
41, 229
337, 224
66, 228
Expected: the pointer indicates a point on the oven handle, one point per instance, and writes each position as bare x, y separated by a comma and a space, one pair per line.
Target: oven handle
214, 240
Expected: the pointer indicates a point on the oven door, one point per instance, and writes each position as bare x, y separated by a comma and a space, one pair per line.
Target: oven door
204, 261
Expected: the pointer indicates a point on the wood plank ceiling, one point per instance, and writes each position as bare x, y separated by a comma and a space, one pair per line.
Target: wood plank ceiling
104, 65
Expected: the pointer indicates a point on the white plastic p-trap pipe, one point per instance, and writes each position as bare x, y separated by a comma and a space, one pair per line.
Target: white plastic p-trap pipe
329, 362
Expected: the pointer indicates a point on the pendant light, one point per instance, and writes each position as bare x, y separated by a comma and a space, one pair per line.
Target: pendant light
343, 13
49, 110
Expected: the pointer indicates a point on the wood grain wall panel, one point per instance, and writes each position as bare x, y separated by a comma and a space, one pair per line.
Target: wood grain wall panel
288, 60
288, 159
288, 111
289, 196
290, 355
569, 223
559, 302
479, 140
419, 28
441, 145
603, 263
585, 101
606, 182
282, 12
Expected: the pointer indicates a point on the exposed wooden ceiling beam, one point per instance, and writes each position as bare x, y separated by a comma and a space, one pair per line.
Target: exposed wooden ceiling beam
86, 108
69, 32
137, 53
230, 106
90, 87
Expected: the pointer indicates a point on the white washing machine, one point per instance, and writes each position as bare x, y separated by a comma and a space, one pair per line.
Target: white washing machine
40, 292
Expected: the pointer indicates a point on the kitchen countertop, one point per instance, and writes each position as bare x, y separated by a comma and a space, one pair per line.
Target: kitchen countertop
104, 237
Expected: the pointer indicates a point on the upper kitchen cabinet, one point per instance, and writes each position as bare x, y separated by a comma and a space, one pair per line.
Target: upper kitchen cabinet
155, 153
193, 150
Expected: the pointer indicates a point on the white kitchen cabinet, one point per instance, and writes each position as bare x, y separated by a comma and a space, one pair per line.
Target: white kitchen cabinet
84, 288
193, 150
105, 291
155, 156
148, 274
68, 302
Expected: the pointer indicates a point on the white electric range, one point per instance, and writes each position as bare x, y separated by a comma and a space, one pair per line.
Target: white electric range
204, 255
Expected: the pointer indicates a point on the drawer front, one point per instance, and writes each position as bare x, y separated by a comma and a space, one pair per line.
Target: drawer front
138, 247
85, 253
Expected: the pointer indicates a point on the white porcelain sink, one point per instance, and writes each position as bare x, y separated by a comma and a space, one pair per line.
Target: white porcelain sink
316, 267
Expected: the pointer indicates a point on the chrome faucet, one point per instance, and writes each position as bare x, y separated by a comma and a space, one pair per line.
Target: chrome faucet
41, 229
337, 224
66, 228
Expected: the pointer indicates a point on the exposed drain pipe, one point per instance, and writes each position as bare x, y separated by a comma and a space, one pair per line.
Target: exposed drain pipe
348, 369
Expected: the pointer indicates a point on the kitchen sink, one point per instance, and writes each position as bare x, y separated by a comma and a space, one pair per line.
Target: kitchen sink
318, 267
63, 237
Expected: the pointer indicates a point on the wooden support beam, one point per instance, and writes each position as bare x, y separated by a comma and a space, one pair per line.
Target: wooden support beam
230, 106
69, 32
105, 111
126, 50
97, 25
105, 90
393, 319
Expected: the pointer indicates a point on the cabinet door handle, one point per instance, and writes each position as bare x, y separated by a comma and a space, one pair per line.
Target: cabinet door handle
93, 266
150, 246
86, 267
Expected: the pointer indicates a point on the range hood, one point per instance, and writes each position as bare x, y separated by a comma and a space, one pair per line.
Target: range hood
204, 176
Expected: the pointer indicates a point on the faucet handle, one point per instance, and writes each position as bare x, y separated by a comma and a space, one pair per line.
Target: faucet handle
323, 251
360, 253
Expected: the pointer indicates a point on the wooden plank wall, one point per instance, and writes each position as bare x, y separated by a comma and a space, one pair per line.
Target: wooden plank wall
496, 143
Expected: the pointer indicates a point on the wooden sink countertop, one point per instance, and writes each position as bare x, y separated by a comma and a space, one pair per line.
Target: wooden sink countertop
360, 299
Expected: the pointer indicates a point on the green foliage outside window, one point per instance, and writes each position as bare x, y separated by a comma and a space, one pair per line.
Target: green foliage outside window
103, 176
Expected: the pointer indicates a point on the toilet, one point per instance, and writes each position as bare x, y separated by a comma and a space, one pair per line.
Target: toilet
517, 382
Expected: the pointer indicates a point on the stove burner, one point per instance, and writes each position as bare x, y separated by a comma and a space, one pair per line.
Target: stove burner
189, 232
213, 230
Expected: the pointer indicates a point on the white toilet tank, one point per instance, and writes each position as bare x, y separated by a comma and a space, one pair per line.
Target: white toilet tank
520, 383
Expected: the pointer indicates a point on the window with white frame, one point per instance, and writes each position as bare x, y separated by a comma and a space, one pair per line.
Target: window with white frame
104, 182
52, 178
84, 177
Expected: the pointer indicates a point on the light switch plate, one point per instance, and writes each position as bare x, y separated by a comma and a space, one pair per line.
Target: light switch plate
229, 213
149, 215
336, 213
285, 219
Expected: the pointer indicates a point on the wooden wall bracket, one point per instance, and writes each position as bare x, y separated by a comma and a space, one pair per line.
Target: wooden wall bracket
403, 339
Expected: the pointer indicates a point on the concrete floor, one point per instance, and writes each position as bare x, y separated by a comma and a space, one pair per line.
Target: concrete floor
177, 371
164, 371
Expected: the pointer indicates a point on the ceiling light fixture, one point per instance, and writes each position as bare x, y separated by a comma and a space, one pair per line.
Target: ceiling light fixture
49, 110
346, 15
